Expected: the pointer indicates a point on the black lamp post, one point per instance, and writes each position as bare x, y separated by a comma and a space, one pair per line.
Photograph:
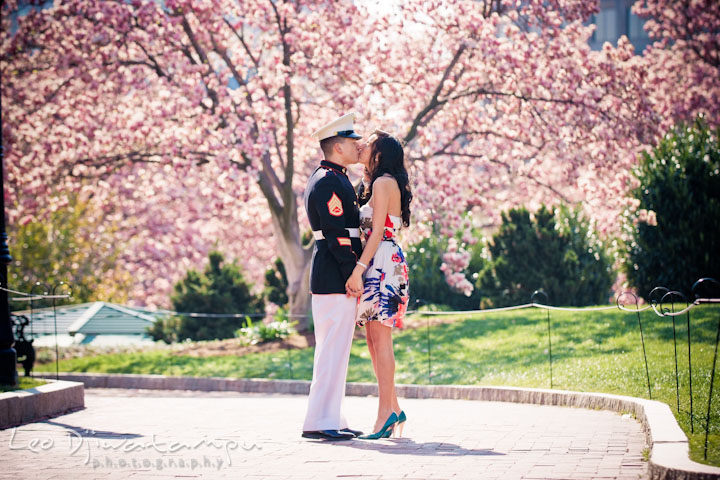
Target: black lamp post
8, 355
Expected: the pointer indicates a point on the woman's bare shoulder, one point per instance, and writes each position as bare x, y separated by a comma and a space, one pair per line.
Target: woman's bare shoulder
385, 182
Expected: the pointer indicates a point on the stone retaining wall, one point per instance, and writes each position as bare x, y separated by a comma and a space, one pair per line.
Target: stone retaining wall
54, 398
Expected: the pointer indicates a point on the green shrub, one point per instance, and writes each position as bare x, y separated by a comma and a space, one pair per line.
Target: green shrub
552, 250
675, 229
166, 329
427, 281
261, 332
220, 289
276, 284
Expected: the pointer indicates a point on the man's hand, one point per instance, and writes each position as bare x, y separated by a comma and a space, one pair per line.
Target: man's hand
354, 285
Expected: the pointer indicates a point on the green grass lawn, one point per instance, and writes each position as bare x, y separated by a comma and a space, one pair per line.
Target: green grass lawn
592, 351
23, 383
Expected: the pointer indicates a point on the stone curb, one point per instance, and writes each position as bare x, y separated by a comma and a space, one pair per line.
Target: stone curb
32, 404
669, 459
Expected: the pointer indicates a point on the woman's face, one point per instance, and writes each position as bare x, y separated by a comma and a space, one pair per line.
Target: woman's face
364, 149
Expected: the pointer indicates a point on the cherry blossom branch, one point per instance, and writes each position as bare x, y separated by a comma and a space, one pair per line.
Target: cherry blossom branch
434, 103
49, 98
687, 35
241, 37
237, 77
154, 63
510, 170
233, 69
203, 58
267, 189
290, 126
270, 172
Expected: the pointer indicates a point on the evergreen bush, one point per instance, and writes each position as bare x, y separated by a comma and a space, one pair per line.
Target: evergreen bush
551, 250
222, 288
675, 229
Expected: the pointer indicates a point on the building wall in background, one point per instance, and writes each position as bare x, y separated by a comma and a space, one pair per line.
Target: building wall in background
615, 20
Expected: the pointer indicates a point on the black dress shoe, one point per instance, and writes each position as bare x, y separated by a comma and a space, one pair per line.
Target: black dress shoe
328, 435
355, 433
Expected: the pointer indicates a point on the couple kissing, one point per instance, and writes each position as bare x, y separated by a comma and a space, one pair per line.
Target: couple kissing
359, 275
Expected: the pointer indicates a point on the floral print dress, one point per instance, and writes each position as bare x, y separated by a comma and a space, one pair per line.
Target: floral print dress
385, 296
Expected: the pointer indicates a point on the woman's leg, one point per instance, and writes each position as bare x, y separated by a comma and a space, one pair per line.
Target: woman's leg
385, 369
373, 357
396, 405
371, 349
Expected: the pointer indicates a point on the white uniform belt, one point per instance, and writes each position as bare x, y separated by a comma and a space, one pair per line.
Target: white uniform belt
353, 232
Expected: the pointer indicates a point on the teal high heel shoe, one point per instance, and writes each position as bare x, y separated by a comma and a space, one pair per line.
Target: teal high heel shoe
385, 430
397, 431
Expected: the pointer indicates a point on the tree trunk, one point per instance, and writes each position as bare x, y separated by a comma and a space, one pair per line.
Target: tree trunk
299, 298
296, 259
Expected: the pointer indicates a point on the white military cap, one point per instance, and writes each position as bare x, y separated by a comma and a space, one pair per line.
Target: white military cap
341, 127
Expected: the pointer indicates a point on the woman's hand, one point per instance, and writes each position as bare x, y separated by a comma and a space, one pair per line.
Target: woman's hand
367, 178
354, 285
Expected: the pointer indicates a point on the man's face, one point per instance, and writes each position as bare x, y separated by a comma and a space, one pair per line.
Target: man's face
350, 150
364, 146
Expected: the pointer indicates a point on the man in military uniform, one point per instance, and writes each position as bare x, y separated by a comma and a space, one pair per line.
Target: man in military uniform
332, 208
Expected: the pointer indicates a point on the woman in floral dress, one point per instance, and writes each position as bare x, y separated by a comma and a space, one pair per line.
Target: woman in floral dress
381, 273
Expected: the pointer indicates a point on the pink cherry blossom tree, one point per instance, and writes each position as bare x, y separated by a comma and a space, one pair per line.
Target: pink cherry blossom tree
683, 64
187, 114
189, 121
517, 111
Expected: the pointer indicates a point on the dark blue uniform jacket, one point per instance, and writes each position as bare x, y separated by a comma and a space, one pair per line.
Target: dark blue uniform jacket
332, 207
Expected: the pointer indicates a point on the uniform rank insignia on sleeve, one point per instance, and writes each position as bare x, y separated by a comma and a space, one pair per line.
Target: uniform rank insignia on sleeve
335, 206
344, 242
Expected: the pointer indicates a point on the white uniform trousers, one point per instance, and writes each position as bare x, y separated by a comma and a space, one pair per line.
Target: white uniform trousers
334, 319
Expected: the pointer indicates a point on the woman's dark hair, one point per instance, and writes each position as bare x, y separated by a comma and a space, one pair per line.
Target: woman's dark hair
387, 157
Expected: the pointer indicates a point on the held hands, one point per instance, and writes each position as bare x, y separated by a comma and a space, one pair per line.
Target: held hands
354, 285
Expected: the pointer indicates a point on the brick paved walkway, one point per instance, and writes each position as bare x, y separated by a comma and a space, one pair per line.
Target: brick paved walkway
258, 436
